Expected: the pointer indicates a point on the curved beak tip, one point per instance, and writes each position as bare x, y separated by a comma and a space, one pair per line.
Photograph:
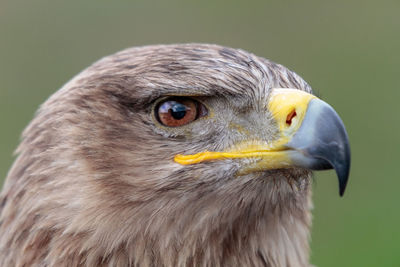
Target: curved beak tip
342, 170
323, 142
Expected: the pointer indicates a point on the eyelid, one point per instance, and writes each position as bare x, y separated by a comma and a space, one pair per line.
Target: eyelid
198, 98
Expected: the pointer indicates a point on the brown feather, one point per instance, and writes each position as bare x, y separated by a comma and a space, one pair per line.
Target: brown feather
95, 184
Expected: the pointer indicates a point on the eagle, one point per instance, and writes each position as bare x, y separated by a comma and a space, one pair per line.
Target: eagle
171, 155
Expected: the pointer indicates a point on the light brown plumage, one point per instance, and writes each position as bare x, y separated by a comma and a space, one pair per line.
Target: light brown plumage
95, 183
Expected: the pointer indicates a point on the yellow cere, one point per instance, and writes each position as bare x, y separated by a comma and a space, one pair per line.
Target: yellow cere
282, 102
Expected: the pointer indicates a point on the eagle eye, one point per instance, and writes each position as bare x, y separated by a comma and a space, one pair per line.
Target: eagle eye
179, 111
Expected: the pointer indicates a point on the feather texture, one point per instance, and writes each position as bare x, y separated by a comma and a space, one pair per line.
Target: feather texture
94, 183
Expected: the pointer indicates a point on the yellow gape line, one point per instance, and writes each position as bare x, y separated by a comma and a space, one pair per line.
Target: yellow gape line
288, 108
207, 155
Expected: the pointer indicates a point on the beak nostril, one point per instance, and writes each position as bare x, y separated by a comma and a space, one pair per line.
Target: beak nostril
290, 116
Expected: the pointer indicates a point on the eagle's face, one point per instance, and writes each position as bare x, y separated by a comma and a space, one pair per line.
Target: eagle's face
163, 146
156, 104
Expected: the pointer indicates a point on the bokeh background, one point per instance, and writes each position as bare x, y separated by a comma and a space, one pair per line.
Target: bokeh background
349, 51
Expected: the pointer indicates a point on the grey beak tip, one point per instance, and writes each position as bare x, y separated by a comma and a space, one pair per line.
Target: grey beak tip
323, 142
342, 186
342, 172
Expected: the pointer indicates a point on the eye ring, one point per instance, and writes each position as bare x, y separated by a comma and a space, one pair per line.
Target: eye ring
179, 111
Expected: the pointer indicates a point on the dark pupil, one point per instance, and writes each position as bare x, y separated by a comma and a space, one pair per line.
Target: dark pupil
178, 111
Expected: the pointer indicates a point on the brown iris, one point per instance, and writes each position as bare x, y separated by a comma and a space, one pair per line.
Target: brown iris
178, 111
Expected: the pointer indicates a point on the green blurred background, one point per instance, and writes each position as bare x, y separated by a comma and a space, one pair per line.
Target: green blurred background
348, 51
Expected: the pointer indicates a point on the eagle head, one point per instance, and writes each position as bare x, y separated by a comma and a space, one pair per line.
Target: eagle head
171, 155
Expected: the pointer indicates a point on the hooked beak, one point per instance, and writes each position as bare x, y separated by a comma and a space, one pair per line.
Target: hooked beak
312, 136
